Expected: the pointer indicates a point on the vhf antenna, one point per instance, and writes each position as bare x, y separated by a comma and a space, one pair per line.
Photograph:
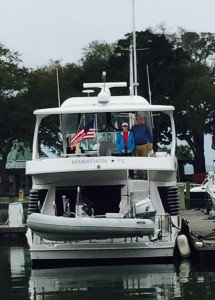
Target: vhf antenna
104, 77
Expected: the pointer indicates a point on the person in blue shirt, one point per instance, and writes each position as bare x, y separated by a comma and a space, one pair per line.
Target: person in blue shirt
125, 140
143, 142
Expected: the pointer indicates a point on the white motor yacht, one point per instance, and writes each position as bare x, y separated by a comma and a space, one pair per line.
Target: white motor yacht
84, 203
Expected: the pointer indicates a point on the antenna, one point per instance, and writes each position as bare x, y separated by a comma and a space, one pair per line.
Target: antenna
104, 77
88, 92
58, 94
149, 87
58, 88
134, 52
131, 72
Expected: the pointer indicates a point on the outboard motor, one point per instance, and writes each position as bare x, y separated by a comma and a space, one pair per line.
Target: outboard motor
144, 209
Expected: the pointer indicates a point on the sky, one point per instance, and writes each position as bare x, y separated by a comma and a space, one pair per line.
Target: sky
44, 30
41, 30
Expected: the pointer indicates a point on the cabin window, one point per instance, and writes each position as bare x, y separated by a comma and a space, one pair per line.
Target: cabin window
50, 134
74, 122
106, 122
117, 118
109, 123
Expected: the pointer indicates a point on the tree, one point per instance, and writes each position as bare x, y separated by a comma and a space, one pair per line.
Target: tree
42, 92
198, 96
199, 46
165, 64
196, 99
179, 76
95, 59
13, 115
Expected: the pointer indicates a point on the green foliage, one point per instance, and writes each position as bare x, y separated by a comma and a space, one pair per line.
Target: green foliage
12, 112
95, 59
12, 77
180, 75
199, 46
42, 92
42, 85
15, 120
184, 151
194, 102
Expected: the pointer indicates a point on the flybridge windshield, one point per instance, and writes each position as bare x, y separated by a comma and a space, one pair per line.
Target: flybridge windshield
106, 126
60, 131
108, 122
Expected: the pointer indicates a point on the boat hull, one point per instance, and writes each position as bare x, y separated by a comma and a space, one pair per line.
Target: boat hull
130, 249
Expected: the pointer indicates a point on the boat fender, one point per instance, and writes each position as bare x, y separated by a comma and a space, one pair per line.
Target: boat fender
184, 271
183, 245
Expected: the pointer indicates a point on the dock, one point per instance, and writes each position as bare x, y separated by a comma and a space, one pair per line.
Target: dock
4, 203
15, 225
200, 223
202, 232
11, 232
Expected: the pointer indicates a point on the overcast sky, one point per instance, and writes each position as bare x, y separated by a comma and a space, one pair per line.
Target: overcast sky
41, 30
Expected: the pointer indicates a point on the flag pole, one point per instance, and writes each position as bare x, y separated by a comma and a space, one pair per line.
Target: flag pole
96, 130
84, 126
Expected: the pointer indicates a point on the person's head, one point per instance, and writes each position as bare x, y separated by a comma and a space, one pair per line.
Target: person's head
125, 126
139, 120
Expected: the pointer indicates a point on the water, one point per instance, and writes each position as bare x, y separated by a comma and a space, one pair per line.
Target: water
19, 280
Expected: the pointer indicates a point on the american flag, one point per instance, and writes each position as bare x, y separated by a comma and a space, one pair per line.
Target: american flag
87, 133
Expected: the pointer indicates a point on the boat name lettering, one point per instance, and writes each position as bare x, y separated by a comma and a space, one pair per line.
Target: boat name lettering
90, 161
121, 160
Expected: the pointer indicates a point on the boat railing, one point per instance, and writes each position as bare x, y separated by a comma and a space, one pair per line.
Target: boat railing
109, 149
86, 153
163, 233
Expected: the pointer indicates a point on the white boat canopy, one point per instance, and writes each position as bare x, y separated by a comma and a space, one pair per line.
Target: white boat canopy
115, 104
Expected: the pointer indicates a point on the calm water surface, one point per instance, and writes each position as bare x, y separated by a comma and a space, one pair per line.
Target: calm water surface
19, 280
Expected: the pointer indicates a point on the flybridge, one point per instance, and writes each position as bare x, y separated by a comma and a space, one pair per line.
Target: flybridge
109, 112
105, 102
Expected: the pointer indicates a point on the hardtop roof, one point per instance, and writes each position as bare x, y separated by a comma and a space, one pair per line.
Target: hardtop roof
115, 104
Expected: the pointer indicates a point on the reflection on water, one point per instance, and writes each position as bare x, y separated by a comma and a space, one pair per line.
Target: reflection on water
114, 282
15, 270
166, 281
3, 215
